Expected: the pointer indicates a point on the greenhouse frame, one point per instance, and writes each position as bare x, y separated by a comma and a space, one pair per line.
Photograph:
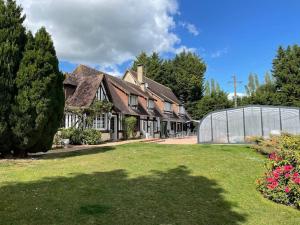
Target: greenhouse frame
237, 125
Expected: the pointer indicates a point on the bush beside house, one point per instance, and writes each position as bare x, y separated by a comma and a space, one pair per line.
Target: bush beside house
129, 125
79, 136
281, 182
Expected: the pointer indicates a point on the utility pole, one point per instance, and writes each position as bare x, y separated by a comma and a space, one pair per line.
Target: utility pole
235, 96
235, 82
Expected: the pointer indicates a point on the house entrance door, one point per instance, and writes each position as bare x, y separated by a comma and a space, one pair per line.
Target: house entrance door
114, 128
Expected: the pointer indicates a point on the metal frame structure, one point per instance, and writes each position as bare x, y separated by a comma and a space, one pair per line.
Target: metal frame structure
234, 126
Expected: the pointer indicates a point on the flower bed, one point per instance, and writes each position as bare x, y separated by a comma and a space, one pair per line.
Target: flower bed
281, 182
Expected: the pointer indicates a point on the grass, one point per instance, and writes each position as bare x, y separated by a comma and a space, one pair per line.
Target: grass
140, 184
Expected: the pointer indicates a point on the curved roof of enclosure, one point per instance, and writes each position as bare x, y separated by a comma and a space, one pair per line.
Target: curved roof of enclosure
237, 125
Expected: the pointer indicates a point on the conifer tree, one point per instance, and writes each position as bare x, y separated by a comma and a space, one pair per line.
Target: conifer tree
12, 42
39, 105
287, 75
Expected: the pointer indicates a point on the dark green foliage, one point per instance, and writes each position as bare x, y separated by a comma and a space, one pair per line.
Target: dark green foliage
12, 41
287, 74
129, 126
184, 74
39, 103
261, 94
214, 101
189, 72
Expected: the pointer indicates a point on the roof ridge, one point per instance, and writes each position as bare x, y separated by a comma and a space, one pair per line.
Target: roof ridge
152, 80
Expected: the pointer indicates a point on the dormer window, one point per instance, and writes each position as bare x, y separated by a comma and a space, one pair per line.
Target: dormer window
168, 107
181, 110
150, 104
133, 101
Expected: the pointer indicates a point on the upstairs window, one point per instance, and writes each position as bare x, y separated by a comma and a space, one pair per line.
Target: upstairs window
168, 107
150, 104
101, 94
181, 110
133, 101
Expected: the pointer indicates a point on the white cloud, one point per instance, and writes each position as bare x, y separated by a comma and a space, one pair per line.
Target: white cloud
190, 27
107, 32
219, 53
112, 70
183, 48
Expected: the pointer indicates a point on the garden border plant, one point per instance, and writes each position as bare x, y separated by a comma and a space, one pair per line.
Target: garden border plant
281, 182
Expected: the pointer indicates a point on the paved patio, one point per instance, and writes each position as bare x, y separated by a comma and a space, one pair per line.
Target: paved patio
180, 141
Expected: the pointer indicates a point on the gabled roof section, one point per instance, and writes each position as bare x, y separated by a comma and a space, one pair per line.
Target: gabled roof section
127, 87
119, 104
158, 89
87, 81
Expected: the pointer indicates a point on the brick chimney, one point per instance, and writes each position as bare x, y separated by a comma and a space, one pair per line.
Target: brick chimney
140, 74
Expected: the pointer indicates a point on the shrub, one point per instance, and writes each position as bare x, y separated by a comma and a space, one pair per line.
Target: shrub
281, 182
129, 125
76, 137
91, 137
66, 133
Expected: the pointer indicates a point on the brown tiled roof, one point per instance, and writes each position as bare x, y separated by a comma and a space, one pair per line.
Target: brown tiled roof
119, 104
87, 81
70, 80
160, 90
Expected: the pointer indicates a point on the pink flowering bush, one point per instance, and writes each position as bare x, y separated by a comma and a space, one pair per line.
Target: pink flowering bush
281, 182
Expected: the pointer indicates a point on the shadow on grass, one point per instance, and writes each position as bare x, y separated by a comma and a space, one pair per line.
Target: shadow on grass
72, 153
113, 198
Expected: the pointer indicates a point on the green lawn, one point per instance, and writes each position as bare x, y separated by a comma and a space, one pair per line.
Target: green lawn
140, 184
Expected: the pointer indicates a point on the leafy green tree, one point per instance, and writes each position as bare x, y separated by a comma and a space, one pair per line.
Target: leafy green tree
39, 104
189, 72
12, 42
214, 101
211, 87
184, 74
253, 84
141, 59
287, 74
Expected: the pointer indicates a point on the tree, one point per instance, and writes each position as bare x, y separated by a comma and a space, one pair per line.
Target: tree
253, 84
184, 74
264, 94
141, 59
189, 72
287, 75
39, 104
12, 42
214, 101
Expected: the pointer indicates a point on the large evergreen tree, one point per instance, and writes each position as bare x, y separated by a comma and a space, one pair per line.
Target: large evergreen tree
184, 74
287, 75
189, 72
12, 42
39, 104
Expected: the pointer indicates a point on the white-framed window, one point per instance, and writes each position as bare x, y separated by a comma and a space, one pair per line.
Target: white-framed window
181, 110
133, 101
100, 122
101, 93
168, 107
150, 104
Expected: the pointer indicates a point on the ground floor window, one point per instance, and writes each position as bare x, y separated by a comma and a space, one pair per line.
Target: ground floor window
71, 120
100, 122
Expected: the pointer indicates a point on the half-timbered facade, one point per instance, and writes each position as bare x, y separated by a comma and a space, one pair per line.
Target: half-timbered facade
158, 111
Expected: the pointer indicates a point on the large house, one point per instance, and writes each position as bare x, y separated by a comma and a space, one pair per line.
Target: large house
158, 111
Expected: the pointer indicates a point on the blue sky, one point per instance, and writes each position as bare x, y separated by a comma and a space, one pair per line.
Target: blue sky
233, 36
